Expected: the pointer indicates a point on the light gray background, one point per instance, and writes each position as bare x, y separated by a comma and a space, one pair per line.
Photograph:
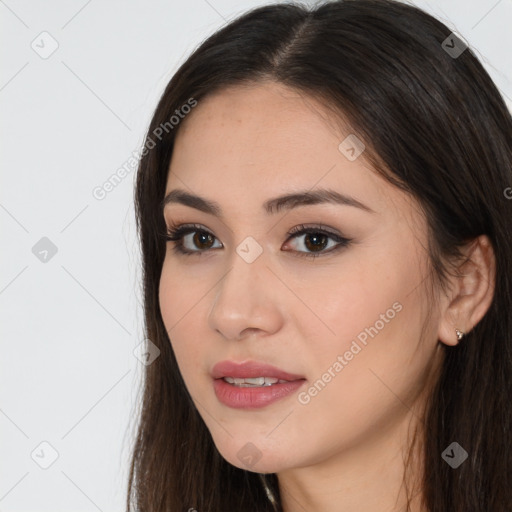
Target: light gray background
69, 325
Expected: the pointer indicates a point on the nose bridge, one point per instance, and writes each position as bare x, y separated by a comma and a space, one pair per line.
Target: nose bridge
242, 296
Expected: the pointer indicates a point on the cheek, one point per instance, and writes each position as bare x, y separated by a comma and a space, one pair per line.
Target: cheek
362, 373
180, 294
342, 302
372, 296
368, 309
181, 300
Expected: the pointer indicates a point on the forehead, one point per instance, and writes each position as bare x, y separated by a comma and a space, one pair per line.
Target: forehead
260, 141
255, 114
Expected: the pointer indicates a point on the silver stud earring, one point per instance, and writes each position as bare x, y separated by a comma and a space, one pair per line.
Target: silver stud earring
460, 334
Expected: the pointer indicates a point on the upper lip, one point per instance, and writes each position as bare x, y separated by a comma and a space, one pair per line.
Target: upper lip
250, 369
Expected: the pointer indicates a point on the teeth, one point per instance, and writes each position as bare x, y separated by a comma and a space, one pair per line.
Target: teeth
253, 381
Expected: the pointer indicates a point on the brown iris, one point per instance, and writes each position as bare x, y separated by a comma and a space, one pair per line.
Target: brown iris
199, 238
319, 241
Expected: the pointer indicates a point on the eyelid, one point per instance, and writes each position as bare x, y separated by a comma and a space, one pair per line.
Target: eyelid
313, 228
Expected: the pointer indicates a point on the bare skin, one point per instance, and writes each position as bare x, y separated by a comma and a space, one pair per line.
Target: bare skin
341, 448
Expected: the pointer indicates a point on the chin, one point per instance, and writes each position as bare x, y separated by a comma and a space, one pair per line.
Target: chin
262, 466
253, 458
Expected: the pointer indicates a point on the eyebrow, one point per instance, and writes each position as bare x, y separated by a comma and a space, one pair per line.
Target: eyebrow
272, 206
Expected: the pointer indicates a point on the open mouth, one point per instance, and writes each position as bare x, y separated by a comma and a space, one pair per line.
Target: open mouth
252, 382
253, 392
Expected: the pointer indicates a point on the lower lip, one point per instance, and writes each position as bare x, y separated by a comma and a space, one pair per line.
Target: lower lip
253, 397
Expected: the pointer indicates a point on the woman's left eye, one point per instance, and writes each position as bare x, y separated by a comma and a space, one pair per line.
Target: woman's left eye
315, 239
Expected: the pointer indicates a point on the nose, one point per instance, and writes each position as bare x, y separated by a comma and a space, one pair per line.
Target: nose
246, 301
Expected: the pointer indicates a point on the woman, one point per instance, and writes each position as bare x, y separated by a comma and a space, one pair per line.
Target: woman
325, 227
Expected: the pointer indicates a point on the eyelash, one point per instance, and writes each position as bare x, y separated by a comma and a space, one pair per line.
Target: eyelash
176, 233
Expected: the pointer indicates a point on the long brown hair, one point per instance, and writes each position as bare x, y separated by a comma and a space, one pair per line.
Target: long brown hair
436, 126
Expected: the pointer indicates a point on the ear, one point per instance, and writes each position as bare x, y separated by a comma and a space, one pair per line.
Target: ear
471, 293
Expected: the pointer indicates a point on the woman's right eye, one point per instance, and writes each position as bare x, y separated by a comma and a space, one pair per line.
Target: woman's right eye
194, 234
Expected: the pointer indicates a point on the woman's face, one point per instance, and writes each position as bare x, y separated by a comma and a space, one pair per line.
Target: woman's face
347, 323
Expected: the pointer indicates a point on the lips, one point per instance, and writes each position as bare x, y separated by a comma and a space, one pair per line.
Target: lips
251, 369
